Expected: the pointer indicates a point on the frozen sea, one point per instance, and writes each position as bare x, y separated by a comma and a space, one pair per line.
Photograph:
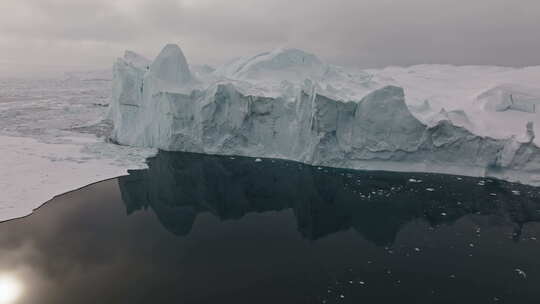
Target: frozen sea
52, 139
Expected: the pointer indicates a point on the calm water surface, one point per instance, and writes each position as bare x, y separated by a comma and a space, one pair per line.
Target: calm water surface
208, 229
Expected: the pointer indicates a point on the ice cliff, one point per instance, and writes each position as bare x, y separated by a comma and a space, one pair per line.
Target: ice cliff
289, 104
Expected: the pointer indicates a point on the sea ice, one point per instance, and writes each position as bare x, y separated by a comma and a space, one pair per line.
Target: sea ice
52, 139
34, 172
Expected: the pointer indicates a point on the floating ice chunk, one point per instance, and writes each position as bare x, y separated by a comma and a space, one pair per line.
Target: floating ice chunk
521, 273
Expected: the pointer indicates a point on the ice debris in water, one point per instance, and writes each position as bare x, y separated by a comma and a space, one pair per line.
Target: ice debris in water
521, 273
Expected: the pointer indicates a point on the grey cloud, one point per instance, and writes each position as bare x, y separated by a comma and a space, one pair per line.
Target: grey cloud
369, 33
72, 20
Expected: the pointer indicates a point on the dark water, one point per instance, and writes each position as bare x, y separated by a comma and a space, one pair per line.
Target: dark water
207, 229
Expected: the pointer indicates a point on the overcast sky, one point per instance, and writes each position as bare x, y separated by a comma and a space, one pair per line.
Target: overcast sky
61, 34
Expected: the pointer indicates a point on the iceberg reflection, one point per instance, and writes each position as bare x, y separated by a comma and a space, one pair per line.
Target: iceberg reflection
180, 186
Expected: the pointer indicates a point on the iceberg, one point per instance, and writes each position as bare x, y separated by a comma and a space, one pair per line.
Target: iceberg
289, 104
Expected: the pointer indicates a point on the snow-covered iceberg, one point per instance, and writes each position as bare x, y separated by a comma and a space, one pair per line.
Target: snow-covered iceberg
289, 104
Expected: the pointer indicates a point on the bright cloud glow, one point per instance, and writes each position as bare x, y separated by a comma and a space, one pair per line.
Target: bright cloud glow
10, 289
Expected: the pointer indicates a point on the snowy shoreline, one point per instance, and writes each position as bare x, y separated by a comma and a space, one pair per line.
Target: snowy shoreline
35, 172
51, 140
